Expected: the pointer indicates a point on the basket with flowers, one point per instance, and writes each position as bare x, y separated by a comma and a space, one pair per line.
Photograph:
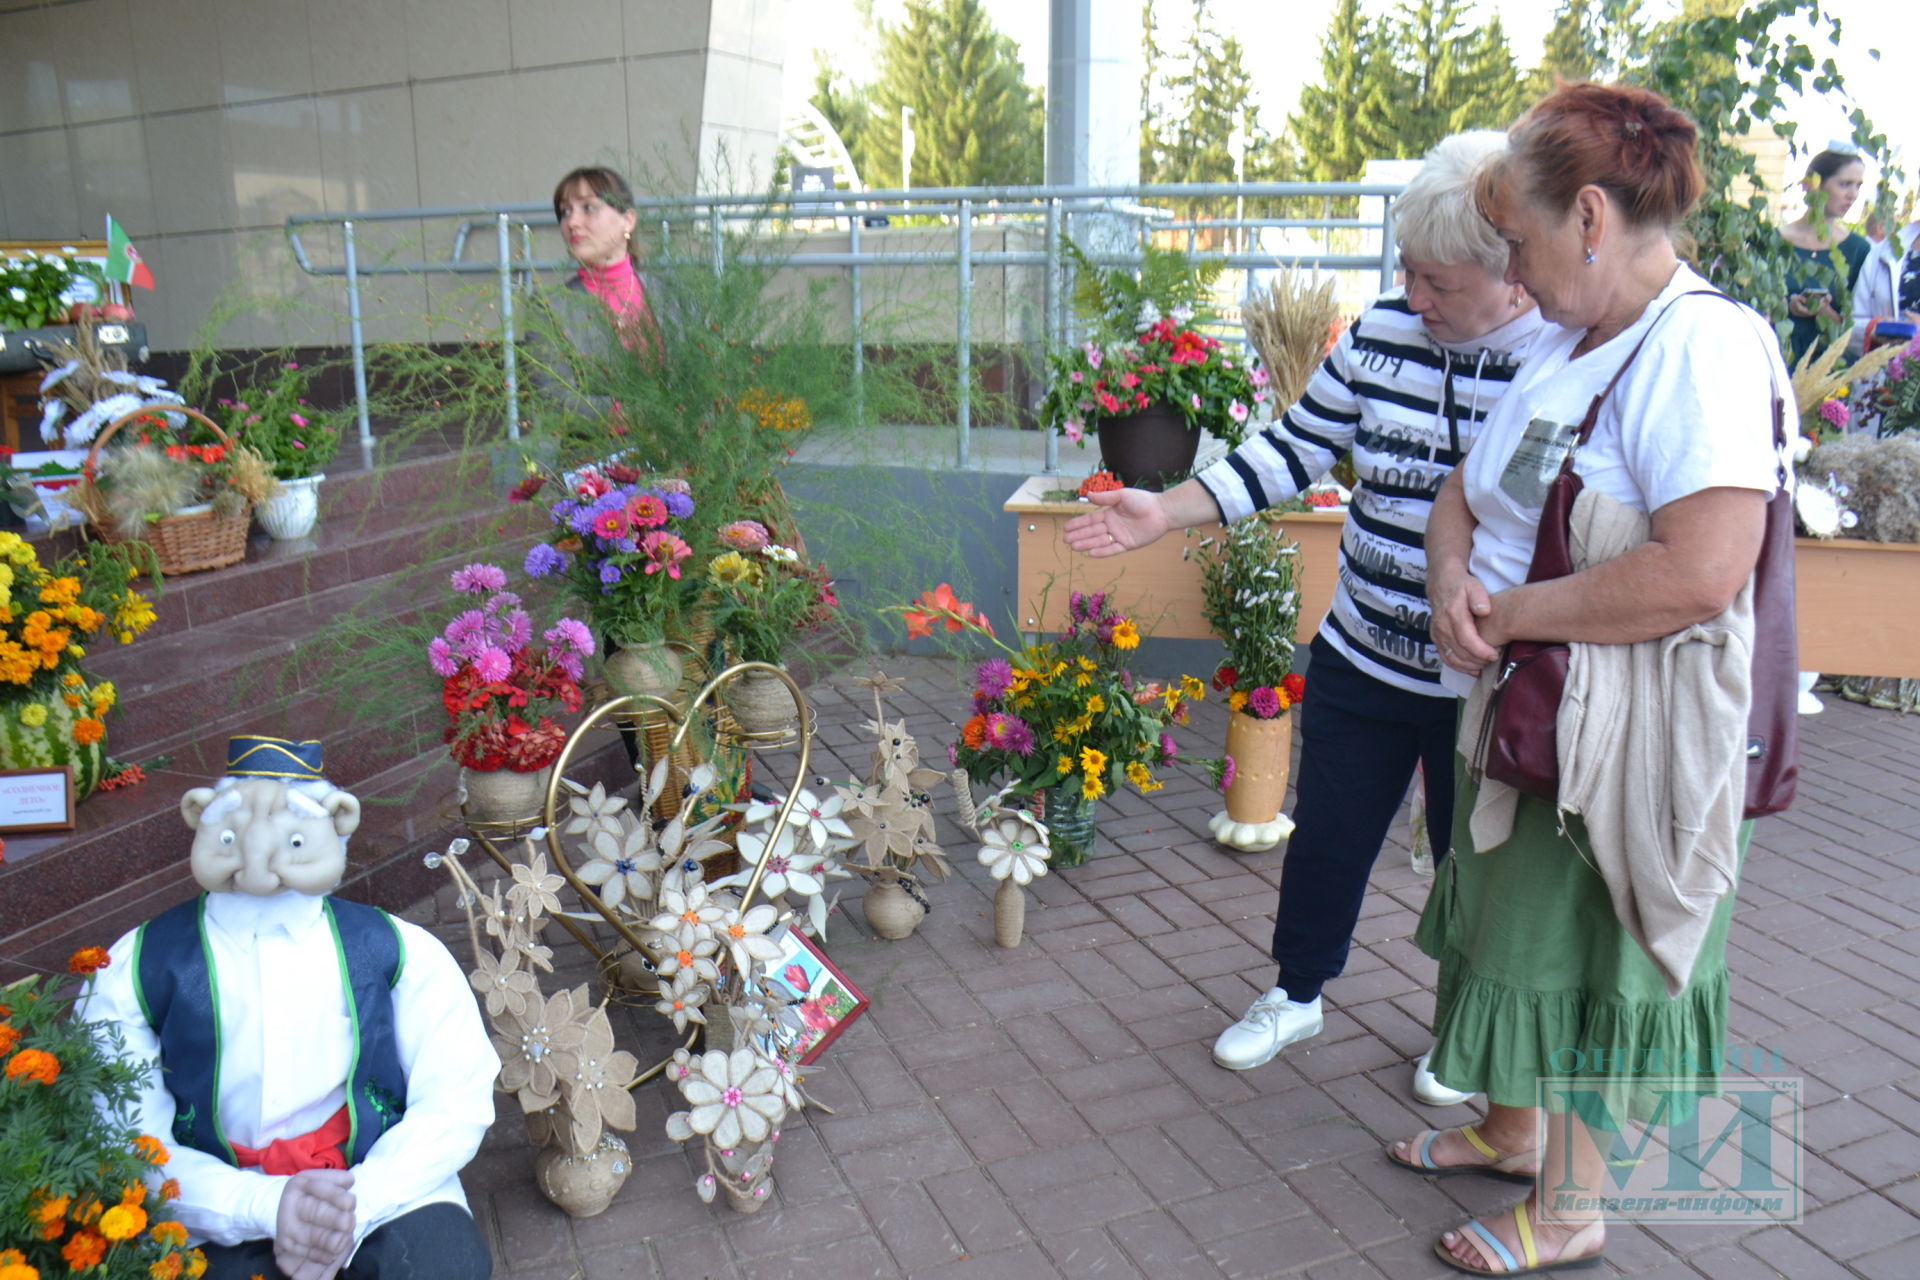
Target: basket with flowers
763, 597
1063, 718
171, 477
51, 712
1250, 595
502, 692
81, 1188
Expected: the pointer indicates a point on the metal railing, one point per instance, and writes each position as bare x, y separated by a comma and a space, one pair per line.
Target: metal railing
684, 224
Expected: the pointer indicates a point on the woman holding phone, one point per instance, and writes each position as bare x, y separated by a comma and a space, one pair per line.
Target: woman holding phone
1827, 256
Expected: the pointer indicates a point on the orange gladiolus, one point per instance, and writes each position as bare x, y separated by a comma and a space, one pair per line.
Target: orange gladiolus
33, 1064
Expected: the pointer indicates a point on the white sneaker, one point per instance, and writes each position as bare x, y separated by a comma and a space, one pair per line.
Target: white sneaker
1429, 1090
1273, 1023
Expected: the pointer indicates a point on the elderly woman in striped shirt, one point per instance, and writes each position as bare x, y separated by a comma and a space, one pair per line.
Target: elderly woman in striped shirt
1405, 389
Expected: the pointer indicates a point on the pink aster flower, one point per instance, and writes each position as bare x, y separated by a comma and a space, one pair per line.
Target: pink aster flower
493, 665
1009, 733
993, 678
1834, 412
440, 657
297, 421
476, 579
745, 535
1264, 702
569, 634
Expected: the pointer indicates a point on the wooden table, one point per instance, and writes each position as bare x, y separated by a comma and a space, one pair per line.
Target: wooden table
1859, 602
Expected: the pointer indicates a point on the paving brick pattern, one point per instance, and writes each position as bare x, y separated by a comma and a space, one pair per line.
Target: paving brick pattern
1053, 1110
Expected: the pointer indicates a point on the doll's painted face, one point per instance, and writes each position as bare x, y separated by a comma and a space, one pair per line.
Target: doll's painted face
260, 836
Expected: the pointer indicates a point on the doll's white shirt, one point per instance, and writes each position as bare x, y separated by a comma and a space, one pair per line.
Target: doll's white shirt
286, 1044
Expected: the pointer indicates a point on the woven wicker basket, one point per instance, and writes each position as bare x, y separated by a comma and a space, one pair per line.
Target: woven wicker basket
181, 543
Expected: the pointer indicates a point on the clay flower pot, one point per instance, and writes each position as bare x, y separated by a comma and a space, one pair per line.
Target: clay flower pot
892, 911
652, 669
583, 1185
503, 796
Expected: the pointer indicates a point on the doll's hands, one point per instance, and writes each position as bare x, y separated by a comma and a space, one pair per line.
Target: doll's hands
313, 1233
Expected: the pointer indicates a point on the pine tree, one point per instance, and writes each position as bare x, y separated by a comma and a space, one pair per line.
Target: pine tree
844, 106
1152, 114
1339, 124
1589, 40
975, 119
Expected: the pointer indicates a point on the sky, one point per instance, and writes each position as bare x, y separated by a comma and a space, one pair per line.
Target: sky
1282, 39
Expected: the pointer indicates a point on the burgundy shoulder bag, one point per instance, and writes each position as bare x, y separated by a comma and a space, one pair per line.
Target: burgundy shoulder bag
1517, 735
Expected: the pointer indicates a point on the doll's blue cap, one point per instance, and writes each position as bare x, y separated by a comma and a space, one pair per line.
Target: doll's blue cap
252, 755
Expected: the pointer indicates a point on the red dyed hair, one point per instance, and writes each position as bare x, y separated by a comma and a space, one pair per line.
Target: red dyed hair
1628, 141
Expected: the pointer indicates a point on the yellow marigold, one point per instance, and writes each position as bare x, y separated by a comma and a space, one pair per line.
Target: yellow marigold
1093, 788
33, 1064
72, 680
11, 1257
171, 1234
170, 1189
33, 715
60, 591
1093, 761
17, 1270
87, 1211
72, 700
196, 1264
103, 697
88, 731
133, 1193
1126, 635
75, 652
1236, 700
123, 1222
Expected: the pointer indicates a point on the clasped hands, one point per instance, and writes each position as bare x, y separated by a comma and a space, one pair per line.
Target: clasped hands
313, 1234
1462, 622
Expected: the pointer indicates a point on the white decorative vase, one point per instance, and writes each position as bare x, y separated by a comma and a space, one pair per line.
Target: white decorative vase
503, 796
294, 511
583, 1185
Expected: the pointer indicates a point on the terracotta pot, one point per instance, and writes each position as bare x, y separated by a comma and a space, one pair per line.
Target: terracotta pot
583, 1185
1151, 449
650, 668
503, 795
892, 911
761, 703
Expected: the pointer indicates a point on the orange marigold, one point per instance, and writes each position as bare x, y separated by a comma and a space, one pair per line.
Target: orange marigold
9, 1037
12, 1258
170, 1189
87, 1211
88, 731
168, 1233
49, 1208
18, 1271
85, 1249
133, 1193
974, 733
166, 1268
123, 1222
33, 1064
87, 960
53, 1230
150, 1149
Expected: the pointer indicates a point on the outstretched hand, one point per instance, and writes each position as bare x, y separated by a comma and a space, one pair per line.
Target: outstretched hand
313, 1233
1122, 520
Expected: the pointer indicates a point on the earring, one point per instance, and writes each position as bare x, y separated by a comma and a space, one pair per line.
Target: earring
1589, 255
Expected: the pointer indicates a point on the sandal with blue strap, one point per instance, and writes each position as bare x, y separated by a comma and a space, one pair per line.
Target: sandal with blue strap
1512, 1166
1582, 1249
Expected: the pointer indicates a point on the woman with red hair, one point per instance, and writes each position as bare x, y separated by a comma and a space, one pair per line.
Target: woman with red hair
1544, 973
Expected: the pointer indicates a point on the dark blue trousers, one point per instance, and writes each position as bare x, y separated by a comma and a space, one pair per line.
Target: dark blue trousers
434, 1242
1359, 742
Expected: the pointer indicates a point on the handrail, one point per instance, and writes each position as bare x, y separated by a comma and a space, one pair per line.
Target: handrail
1043, 209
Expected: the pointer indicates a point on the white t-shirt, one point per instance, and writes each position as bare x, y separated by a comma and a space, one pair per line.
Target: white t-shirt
1694, 411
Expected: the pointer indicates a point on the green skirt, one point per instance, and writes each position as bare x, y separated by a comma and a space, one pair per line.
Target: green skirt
1538, 980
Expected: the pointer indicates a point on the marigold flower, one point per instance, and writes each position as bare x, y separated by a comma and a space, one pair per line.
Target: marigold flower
35, 1065
151, 1149
87, 731
49, 1208
9, 1037
17, 1270
87, 960
168, 1233
974, 732
167, 1267
123, 1222
87, 1211
84, 1250
196, 1264
170, 1189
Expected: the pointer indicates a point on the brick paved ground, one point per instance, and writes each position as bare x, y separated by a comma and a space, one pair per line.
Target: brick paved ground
1053, 1111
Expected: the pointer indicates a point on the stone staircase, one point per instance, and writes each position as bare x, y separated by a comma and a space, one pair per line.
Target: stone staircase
232, 651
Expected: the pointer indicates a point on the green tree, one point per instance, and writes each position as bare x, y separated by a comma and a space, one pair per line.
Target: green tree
844, 105
1345, 119
1589, 40
975, 118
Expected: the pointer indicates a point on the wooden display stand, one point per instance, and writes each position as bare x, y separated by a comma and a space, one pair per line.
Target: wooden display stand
1859, 602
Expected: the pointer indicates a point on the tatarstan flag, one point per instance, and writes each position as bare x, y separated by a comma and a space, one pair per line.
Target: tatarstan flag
123, 260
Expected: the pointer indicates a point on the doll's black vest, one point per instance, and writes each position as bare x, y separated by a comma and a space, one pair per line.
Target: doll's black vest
179, 994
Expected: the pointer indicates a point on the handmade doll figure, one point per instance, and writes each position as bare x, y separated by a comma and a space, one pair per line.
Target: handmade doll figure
321, 1071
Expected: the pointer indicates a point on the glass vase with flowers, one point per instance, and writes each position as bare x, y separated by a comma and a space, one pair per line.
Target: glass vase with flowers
1064, 718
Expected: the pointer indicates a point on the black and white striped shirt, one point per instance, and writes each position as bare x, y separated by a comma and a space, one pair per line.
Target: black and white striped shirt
1409, 407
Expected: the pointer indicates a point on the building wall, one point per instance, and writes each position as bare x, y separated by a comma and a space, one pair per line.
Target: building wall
201, 125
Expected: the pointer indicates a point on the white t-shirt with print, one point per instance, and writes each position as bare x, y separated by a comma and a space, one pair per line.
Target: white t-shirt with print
1694, 411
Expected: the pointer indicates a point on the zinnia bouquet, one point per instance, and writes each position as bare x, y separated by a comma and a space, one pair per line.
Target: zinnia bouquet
617, 542
501, 691
763, 594
1251, 599
1067, 711
81, 1189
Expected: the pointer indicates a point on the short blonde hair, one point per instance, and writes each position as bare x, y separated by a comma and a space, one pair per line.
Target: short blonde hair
1436, 218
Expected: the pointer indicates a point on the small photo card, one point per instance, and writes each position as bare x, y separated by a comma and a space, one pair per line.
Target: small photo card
825, 999
36, 799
